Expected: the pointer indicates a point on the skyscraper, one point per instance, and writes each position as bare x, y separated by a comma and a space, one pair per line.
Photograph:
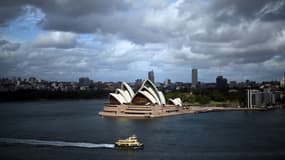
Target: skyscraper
151, 76
221, 83
282, 82
194, 77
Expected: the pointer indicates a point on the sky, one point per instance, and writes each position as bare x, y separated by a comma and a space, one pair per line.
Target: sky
121, 40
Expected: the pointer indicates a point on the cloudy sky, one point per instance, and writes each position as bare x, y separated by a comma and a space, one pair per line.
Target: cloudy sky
121, 40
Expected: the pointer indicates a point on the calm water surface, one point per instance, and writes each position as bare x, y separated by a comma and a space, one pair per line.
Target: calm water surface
217, 135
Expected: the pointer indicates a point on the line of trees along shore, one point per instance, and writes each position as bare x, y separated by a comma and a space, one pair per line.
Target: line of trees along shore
26, 95
205, 97
210, 96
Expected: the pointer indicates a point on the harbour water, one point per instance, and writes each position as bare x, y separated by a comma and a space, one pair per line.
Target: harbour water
64, 130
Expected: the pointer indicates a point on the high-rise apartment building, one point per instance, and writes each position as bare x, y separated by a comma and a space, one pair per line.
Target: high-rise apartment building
194, 77
151, 76
282, 82
221, 83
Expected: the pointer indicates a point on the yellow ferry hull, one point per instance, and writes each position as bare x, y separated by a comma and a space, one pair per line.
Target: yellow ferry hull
123, 146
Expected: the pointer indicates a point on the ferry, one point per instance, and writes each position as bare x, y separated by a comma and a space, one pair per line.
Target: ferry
129, 143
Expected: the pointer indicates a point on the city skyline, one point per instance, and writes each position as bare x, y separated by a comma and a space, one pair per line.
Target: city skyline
123, 40
148, 76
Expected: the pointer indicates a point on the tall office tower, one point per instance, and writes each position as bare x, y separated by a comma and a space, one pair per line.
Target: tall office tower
221, 83
194, 77
282, 82
151, 76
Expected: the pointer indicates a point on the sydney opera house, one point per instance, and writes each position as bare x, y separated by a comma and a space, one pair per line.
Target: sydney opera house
147, 102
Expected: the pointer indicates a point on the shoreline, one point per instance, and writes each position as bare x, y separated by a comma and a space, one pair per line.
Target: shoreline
47, 100
174, 111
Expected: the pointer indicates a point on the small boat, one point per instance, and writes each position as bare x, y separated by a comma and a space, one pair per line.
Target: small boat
129, 143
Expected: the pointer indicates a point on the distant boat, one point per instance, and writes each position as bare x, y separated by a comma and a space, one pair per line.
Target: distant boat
129, 143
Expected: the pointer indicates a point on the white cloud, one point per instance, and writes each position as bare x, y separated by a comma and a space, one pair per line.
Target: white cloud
127, 39
55, 39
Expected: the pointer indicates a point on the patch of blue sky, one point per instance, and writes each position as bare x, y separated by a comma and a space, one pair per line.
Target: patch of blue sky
171, 1
25, 27
88, 40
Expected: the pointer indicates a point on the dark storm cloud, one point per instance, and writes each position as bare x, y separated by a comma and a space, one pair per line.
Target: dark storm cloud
68, 9
8, 57
230, 35
8, 13
104, 17
85, 16
274, 11
249, 29
11, 9
6, 46
89, 16
269, 10
83, 7
239, 8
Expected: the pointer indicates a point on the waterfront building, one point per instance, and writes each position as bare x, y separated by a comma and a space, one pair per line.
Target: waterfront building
253, 98
151, 76
148, 101
123, 95
268, 97
176, 101
149, 94
257, 98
